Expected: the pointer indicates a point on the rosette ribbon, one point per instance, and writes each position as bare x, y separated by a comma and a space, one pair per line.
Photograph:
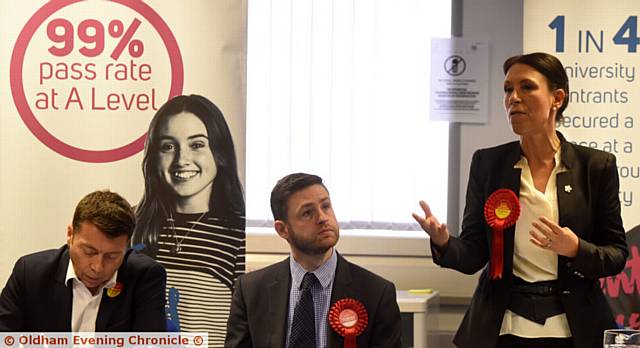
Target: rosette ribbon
501, 211
349, 318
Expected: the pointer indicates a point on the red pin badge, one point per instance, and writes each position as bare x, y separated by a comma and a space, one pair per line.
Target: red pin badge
115, 290
501, 211
349, 318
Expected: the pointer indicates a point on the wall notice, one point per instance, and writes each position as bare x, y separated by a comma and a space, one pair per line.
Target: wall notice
459, 80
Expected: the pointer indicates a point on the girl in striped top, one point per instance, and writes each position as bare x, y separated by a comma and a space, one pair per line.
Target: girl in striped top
191, 217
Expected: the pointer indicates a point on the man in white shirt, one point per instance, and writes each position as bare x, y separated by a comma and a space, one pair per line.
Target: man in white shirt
79, 286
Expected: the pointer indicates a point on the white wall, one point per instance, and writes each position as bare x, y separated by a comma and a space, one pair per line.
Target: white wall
500, 23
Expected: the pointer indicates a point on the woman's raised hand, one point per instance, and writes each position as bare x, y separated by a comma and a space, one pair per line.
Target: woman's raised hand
438, 232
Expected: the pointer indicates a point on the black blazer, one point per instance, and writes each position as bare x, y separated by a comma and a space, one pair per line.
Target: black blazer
260, 305
588, 204
36, 297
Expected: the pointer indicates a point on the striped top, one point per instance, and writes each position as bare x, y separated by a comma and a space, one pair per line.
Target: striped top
201, 275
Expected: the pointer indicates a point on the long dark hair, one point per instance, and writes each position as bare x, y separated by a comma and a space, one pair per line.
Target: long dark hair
226, 201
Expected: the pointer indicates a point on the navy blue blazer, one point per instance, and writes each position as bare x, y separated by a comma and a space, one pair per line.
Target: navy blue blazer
260, 305
591, 209
36, 297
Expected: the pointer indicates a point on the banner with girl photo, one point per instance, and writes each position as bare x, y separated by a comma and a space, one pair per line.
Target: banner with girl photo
147, 99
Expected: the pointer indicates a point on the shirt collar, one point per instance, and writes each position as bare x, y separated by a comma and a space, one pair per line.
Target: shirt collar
71, 274
324, 273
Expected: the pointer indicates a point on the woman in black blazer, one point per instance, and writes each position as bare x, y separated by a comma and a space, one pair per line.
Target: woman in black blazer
539, 287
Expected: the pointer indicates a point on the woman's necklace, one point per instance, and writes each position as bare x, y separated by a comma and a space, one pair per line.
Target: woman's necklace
177, 247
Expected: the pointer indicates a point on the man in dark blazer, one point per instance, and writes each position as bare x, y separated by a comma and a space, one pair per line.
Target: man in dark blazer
265, 301
91, 284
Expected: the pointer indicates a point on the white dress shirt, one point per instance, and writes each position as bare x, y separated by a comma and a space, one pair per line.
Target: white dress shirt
84, 310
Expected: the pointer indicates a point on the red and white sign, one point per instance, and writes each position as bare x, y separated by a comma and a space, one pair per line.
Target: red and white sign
99, 65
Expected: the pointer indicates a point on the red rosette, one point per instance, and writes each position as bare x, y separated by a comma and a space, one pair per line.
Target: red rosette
501, 211
349, 318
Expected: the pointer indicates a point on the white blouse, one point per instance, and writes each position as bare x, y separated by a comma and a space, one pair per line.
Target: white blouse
531, 262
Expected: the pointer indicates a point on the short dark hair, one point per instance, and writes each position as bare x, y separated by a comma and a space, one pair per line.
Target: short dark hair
549, 66
286, 187
108, 211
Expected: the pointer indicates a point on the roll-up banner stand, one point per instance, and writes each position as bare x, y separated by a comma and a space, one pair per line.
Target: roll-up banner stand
80, 84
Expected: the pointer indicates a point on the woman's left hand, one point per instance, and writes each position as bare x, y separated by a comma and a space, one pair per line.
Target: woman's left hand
548, 235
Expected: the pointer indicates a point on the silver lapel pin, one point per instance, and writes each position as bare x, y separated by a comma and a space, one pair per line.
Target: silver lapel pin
568, 188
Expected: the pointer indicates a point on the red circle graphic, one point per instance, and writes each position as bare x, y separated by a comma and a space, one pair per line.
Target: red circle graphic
27, 115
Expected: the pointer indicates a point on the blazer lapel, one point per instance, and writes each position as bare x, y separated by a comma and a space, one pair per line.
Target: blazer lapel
342, 288
107, 304
567, 196
570, 198
278, 292
566, 200
512, 175
63, 293
342, 281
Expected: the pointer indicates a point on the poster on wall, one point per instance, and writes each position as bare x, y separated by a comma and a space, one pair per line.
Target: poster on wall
600, 55
459, 80
89, 100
